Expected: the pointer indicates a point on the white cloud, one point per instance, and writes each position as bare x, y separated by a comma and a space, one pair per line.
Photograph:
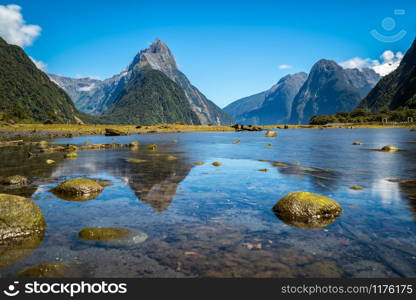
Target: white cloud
284, 67
13, 27
40, 64
81, 76
87, 88
388, 63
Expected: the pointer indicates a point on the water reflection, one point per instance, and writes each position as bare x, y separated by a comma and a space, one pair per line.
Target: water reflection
217, 221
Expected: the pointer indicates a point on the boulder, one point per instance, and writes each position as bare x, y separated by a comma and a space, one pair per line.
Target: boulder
78, 189
14, 180
19, 217
307, 210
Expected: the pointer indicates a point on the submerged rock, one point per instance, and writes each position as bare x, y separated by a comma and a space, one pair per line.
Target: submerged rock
113, 236
134, 160
19, 216
78, 189
216, 163
307, 210
15, 249
14, 180
99, 233
51, 270
357, 143
271, 133
389, 148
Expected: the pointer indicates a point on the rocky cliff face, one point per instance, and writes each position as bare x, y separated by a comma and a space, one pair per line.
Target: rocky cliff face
329, 89
397, 89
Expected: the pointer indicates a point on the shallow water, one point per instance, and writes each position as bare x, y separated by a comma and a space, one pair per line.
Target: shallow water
203, 220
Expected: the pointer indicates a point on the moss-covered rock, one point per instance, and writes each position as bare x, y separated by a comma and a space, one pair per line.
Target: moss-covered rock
19, 216
99, 233
151, 147
78, 189
71, 155
14, 180
134, 145
307, 210
389, 148
271, 133
113, 236
51, 270
216, 164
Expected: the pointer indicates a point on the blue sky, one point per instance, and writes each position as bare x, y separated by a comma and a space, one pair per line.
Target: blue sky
228, 49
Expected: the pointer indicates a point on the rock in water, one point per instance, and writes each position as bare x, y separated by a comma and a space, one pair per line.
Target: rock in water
216, 164
113, 236
307, 210
113, 132
389, 148
14, 180
51, 270
19, 216
271, 133
71, 155
78, 189
357, 143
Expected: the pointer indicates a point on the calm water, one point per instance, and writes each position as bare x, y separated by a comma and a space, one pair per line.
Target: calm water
217, 221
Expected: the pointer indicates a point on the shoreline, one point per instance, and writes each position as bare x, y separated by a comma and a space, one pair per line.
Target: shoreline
49, 131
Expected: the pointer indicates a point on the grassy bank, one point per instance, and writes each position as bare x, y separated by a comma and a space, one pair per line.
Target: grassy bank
8, 131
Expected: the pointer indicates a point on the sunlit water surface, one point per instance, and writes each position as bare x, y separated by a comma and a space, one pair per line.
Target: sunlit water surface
203, 220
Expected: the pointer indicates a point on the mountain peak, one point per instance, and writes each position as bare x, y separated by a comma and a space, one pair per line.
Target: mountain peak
158, 57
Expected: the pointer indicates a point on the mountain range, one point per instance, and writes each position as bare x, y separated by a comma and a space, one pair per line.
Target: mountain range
151, 90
